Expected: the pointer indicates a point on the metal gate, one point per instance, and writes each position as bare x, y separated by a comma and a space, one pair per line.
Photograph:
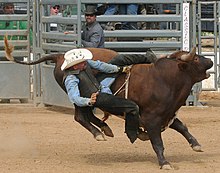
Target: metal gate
209, 40
48, 41
159, 39
180, 36
218, 62
15, 79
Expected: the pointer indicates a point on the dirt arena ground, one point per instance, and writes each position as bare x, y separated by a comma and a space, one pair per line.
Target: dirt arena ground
46, 140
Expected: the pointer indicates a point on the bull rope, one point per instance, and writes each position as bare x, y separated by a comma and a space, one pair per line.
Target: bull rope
126, 83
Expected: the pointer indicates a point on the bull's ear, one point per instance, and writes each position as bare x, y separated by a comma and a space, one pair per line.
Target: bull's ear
183, 66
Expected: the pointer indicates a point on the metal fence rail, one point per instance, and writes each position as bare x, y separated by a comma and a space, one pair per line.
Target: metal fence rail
218, 61
173, 36
180, 28
211, 37
56, 41
15, 80
139, 40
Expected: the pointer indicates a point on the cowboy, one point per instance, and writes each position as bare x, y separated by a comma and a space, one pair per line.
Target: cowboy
84, 90
92, 34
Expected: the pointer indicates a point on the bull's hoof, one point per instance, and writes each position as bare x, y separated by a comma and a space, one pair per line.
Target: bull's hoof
107, 131
132, 135
197, 148
167, 167
100, 137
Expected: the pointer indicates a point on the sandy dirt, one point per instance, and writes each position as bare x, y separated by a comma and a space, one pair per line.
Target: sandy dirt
47, 140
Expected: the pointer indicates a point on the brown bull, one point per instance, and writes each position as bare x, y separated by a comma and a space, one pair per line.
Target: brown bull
159, 89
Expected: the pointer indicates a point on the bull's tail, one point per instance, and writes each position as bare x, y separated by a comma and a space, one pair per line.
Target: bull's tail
9, 49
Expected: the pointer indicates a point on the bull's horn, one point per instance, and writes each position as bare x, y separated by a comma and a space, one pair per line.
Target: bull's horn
189, 56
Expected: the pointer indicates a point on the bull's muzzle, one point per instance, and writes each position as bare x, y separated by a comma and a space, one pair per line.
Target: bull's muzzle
209, 65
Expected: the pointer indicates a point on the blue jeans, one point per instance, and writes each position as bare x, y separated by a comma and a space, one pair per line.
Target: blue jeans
111, 10
129, 9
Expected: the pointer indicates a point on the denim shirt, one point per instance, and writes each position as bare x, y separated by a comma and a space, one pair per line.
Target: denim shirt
71, 82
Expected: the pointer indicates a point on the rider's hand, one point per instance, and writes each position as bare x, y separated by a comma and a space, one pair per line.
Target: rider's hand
93, 98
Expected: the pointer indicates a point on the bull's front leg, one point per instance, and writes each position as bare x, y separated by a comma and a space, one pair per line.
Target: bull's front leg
154, 132
182, 129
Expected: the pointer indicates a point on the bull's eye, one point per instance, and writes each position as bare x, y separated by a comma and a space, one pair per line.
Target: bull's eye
196, 59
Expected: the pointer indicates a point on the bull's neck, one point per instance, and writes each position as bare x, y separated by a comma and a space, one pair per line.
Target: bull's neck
175, 78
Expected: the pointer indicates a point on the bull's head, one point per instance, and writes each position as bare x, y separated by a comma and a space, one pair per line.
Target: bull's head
195, 65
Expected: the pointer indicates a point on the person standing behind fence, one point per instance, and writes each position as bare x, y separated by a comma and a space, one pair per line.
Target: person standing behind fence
54, 11
129, 9
8, 8
93, 34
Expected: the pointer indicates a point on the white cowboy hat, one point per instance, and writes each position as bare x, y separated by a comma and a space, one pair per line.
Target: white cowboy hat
75, 56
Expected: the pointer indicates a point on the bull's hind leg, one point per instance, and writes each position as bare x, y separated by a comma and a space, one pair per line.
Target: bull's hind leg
181, 128
81, 116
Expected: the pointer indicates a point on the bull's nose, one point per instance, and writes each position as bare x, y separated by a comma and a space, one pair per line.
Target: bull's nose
210, 64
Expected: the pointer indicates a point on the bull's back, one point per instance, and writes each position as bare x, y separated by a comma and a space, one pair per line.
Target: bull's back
102, 54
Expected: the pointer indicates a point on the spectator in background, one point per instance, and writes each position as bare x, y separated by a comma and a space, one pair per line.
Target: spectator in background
129, 9
70, 10
54, 10
8, 8
93, 34
111, 9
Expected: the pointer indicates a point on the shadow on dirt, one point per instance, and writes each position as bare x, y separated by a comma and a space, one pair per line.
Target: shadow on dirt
211, 99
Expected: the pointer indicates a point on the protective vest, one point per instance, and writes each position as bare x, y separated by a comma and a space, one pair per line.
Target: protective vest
88, 83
